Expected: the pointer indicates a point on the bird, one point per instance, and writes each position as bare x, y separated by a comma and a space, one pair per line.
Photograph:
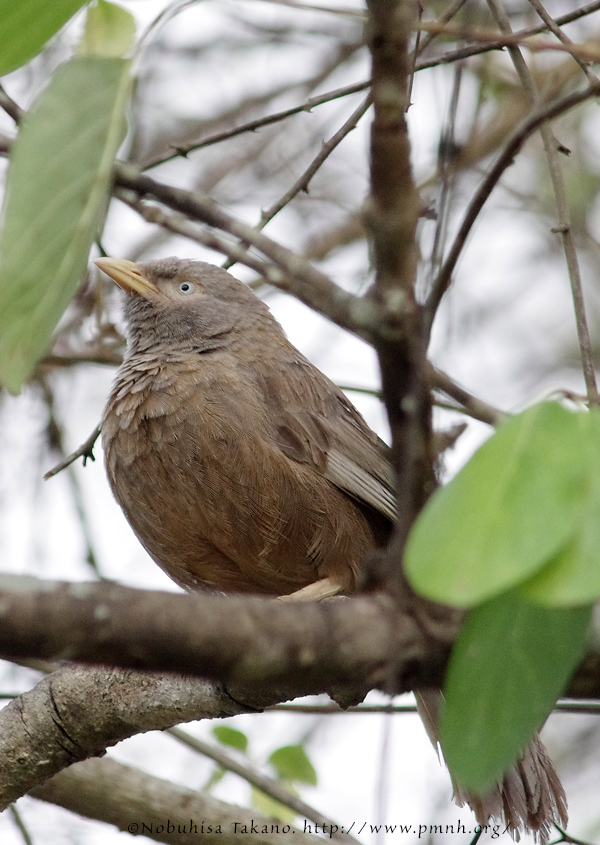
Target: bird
242, 468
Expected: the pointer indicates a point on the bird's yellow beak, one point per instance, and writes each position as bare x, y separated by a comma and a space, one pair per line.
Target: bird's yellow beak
127, 275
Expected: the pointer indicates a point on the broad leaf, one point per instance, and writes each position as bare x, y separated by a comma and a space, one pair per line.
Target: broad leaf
573, 576
56, 196
109, 31
231, 737
507, 513
510, 663
292, 764
26, 25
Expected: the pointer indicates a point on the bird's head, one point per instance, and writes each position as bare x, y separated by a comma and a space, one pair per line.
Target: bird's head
183, 304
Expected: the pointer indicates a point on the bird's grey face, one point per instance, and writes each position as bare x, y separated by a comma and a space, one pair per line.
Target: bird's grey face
159, 281
181, 302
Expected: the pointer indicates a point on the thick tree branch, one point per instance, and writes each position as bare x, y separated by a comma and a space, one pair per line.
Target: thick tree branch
310, 646
391, 216
77, 712
144, 805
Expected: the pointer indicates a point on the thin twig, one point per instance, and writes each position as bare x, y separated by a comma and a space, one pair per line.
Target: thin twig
303, 182
555, 28
446, 157
291, 272
266, 784
315, 7
504, 160
570, 840
85, 451
312, 102
56, 441
498, 44
106, 356
10, 107
20, 824
367, 391
259, 123
422, 43
471, 405
180, 225
328, 147
512, 39
562, 206
565, 706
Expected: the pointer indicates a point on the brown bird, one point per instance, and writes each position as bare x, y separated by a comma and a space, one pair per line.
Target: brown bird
242, 468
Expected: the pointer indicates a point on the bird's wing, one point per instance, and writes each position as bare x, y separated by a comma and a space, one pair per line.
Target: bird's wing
314, 423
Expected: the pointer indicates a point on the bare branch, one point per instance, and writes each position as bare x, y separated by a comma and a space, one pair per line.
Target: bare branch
259, 123
77, 712
555, 28
292, 272
302, 183
498, 44
581, 53
391, 216
10, 107
85, 451
470, 405
562, 206
20, 824
504, 160
316, 646
140, 804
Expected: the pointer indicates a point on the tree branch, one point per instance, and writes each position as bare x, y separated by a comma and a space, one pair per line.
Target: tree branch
292, 272
78, 712
562, 206
266, 784
391, 216
141, 804
259, 123
271, 651
504, 160
312, 646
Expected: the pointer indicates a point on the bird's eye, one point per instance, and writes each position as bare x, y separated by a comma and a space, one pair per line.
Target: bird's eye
186, 288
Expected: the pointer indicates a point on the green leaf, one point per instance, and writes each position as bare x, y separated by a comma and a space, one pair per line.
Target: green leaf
509, 511
573, 576
26, 25
510, 663
109, 31
292, 764
271, 808
56, 195
231, 737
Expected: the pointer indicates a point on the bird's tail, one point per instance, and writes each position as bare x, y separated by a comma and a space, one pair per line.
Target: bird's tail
529, 799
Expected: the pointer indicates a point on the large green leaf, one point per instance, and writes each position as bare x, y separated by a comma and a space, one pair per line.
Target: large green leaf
56, 195
26, 25
510, 663
507, 513
572, 577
